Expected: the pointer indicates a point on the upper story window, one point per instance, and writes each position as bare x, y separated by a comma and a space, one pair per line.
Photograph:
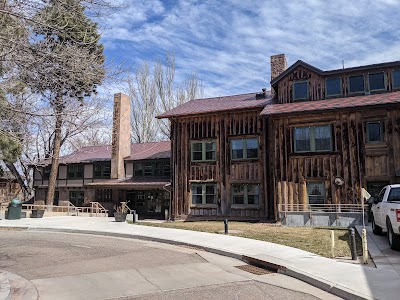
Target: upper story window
46, 172
396, 79
151, 168
244, 148
203, 151
333, 87
102, 170
204, 193
374, 132
313, 138
300, 90
356, 84
316, 193
245, 194
376, 81
75, 171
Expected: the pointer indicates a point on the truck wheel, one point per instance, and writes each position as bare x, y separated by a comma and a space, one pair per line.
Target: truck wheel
375, 228
394, 240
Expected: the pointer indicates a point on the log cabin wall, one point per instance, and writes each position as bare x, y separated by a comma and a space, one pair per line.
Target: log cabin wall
223, 171
352, 157
316, 82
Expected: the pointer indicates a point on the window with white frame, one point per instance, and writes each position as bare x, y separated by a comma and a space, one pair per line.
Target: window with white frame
313, 138
316, 192
246, 148
245, 194
204, 193
203, 151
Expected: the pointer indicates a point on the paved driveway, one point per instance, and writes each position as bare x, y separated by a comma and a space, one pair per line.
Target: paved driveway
382, 255
80, 266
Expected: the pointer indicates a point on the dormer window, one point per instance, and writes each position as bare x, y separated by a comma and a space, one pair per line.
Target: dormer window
300, 90
333, 87
396, 79
376, 81
356, 84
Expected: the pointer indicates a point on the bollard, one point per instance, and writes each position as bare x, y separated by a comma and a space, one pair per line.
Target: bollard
226, 226
135, 216
333, 244
365, 246
352, 236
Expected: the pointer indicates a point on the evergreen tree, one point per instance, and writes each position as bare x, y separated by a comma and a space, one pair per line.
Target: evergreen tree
69, 64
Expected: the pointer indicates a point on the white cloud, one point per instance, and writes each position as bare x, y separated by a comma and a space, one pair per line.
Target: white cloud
229, 42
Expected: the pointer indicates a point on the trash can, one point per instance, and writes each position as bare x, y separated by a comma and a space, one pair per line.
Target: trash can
14, 209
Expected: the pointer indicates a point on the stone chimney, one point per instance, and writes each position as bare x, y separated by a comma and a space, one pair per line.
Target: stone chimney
121, 135
278, 65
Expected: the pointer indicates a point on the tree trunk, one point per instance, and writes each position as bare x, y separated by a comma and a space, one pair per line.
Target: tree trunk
21, 182
58, 107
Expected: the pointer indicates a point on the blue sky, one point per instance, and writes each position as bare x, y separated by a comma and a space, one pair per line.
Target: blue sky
229, 43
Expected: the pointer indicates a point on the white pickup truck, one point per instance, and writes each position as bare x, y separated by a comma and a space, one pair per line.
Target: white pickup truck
386, 214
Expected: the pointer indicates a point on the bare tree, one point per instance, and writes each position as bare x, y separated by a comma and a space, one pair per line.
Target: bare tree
143, 94
153, 93
169, 94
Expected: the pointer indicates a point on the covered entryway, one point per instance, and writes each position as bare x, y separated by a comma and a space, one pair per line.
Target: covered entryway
149, 199
148, 203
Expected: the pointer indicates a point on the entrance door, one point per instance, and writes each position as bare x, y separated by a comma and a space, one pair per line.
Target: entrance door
148, 204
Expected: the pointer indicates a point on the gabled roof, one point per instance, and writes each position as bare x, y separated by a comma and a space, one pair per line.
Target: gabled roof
218, 104
143, 151
295, 65
332, 104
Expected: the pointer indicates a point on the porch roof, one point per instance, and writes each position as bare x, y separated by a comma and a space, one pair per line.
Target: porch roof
130, 183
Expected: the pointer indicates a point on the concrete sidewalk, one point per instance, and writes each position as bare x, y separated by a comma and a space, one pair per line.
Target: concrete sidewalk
345, 280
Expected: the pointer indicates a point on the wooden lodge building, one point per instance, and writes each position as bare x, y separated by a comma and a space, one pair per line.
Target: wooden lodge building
312, 143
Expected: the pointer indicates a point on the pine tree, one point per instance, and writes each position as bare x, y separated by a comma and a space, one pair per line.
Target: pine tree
69, 64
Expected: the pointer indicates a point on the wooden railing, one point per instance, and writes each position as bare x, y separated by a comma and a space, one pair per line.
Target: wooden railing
95, 208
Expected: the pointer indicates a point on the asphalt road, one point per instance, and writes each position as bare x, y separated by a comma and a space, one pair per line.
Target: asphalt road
79, 266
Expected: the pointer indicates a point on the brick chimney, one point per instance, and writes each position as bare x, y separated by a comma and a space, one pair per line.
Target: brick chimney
121, 135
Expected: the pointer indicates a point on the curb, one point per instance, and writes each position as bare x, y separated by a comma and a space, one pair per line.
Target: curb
328, 286
5, 287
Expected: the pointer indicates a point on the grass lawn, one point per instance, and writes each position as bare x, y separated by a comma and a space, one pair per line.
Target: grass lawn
315, 240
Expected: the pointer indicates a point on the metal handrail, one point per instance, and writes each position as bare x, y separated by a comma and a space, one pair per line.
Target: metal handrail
336, 208
94, 208
125, 206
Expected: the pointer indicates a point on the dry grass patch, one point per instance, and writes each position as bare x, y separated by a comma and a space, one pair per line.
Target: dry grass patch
314, 240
